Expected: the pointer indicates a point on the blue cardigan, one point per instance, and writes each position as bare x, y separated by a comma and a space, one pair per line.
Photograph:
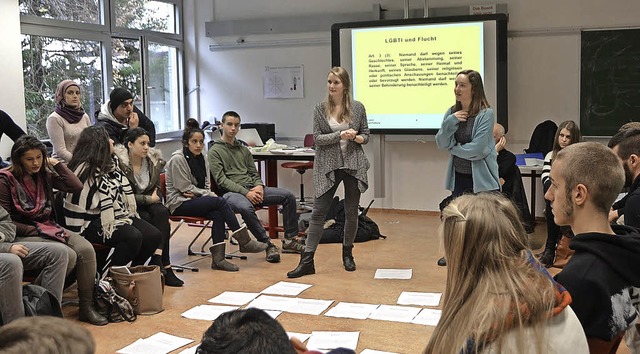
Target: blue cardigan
481, 151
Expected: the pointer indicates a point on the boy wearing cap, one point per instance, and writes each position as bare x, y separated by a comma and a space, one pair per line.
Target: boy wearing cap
118, 115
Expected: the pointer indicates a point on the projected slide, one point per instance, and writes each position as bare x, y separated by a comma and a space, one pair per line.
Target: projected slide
405, 75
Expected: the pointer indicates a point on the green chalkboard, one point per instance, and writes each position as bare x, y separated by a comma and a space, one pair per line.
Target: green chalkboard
609, 80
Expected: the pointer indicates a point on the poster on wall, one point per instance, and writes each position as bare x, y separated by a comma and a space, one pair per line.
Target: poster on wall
283, 81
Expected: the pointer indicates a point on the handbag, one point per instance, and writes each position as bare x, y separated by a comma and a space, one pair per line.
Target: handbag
38, 301
141, 285
111, 305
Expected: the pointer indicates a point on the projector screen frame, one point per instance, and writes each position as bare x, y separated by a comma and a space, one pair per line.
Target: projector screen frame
501, 104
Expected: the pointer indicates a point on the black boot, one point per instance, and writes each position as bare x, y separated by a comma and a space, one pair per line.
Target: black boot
89, 314
347, 258
548, 256
305, 267
170, 278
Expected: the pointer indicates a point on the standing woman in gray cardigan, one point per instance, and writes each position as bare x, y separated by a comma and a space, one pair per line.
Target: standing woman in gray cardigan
340, 129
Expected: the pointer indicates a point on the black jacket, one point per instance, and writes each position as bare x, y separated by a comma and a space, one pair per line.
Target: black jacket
117, 130
600, 277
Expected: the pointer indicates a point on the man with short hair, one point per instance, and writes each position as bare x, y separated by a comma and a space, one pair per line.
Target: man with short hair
236, 178
585, 180
118, 115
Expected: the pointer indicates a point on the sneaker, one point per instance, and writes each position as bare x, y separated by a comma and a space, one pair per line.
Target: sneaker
292, 246
273, 256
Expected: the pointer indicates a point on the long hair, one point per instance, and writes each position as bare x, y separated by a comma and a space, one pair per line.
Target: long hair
491, 286
574, 131
329, 105
133, 135
94, 151
191, 127
20, 147
478, 97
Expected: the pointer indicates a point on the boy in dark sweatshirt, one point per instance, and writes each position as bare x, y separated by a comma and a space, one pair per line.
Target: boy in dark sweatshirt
585, 180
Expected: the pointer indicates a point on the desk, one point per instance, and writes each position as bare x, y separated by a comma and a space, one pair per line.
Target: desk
270, 161
533, 172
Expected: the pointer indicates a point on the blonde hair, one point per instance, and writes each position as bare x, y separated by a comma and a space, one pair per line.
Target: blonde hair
491, 287
329, 105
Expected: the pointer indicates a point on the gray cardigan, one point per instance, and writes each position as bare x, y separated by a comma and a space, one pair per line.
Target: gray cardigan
179, 180
329, 157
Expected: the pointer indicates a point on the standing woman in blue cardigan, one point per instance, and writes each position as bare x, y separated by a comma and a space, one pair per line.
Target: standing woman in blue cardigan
467, 133
340, 129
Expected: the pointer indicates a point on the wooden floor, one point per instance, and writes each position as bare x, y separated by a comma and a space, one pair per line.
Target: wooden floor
412, 243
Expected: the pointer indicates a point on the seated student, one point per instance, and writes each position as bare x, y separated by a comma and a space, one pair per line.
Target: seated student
498, 298
49, 258
235, 175
46, 334
8, 126
585, 180
67, 121
105, 211
119, 114
625, 131
26, 192
189, 194
142, 165
510, 178
251, 331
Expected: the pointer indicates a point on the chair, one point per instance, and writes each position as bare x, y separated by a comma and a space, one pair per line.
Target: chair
301, 168
191, 221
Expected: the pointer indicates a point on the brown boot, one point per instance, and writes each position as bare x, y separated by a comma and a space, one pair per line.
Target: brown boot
218, 261
563, 252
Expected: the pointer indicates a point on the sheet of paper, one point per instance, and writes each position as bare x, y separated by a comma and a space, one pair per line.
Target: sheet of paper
310, 306
191, 350
274, 314
351, 310
428, 317
267, 302
331, 340
302, 336
371, 351
395, 313
393, 273
159, 343
234, 298
286, 288
207, 312
422, 299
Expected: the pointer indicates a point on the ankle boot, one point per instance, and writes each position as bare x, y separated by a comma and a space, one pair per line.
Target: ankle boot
218, 261
305, 267
347, 258
170, 278
88, 313
548, 256
156, 259
247, 244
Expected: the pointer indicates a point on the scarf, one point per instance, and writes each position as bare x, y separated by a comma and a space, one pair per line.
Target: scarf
197, 166
30, 201
117, 201
70, 114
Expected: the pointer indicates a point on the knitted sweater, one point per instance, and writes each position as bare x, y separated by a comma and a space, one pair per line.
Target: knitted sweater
64, 135
329, 156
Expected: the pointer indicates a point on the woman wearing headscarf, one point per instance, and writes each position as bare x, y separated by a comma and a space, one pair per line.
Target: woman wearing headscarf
67, 121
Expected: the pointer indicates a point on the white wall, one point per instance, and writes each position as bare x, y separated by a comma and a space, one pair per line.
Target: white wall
12, 97
544, 78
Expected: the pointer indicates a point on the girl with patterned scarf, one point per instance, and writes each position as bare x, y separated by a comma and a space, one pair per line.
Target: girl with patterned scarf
104, 211
26, 192
498, 298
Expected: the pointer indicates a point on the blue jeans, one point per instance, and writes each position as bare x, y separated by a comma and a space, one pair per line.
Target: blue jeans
321, 207
272, 196
215, 209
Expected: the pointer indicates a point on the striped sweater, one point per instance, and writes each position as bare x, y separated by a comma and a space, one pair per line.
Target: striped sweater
108, 197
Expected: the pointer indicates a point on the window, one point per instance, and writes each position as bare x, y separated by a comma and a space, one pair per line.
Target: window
138, 46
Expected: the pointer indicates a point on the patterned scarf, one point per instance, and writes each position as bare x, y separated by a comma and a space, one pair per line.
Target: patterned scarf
30, 201
117, 201
197, 166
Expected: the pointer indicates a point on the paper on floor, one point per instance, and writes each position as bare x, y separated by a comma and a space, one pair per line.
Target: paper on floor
302, 336
234, 298
207, 312
428, 317
331, 340
423, 299
351, 310
393, 273
395, 313
286, 288
159, 343
371, 351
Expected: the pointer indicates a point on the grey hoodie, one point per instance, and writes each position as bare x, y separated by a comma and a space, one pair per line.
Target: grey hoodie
179, 180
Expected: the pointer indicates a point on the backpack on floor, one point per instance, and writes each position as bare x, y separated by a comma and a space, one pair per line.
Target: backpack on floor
39, 301
334, 224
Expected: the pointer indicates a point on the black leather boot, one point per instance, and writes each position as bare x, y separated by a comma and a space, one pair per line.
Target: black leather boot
305, 267
347, 258
548, 256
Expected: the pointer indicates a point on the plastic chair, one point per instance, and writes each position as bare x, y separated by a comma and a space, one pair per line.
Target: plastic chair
301, 168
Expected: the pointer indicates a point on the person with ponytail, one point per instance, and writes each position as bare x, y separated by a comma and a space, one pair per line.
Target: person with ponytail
26, 192
104, 210
189, 193
67, 121
498, 298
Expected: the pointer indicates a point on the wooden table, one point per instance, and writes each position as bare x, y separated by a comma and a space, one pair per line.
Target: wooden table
270, 161
532, 172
